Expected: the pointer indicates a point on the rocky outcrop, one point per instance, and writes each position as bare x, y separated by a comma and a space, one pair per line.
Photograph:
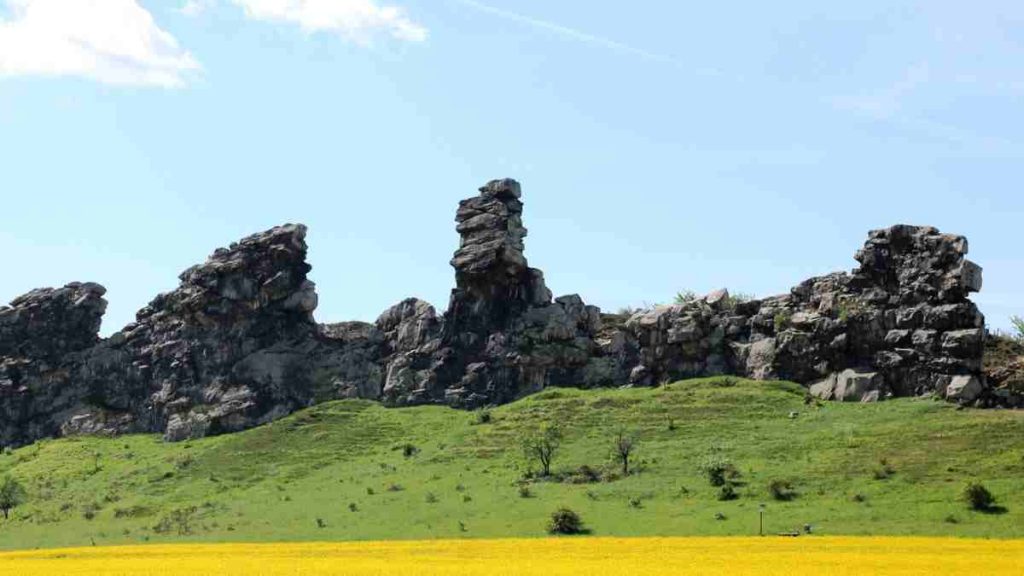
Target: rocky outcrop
235, 345
228, 349
502, 335
42, 337
900, 324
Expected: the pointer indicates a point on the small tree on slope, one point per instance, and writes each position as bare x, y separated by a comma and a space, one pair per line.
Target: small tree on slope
12, 493
542, 445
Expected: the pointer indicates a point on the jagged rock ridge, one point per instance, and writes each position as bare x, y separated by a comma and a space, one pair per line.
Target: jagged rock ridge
235, 345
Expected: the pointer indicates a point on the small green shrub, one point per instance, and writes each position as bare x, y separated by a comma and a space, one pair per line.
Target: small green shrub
636, 502
353, 507
781, 490
430, 498
524, 491
585, 475
727, 492
410, 450
978, 497
565, 521
1018, 328
718, 470
12, 495
782, 321
483, 416
685, 297
884, 471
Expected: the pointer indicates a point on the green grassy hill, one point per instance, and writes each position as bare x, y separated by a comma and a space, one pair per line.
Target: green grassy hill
340, 471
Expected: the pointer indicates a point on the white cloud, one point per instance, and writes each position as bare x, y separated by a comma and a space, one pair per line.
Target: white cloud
356, 20
195, 7
111, 41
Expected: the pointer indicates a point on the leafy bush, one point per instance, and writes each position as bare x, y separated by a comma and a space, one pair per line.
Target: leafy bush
727, 492
636, 502
884, 470
483, 416
1018, 328
179, 520
409, 450
585, 475
733, 300
718, 470
12, 494
565, 521
978, 497
431, 498
524, 491
685, 297
781, 490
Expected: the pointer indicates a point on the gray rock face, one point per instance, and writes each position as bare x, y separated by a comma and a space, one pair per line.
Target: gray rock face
235, 345
502, 335
42, 336
903, 317
230, 348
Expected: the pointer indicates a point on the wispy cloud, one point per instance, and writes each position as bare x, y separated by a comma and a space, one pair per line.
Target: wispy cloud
889, 101
355, 20
893, 105
110, 41
567, 32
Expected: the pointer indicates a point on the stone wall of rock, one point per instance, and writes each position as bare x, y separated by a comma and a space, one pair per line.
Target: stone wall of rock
900, 324
235, 345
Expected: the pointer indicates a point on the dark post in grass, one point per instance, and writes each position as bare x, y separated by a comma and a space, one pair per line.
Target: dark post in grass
760, 513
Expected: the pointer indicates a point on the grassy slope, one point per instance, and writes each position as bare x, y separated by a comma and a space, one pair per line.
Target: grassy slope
274, 482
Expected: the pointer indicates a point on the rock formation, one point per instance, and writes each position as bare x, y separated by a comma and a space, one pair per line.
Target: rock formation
235, 345
43, 336
901, 324
502, 335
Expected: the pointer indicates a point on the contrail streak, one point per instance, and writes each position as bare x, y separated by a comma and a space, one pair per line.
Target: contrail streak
568, 32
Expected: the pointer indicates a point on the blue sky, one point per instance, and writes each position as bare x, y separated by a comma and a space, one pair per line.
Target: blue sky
661, 145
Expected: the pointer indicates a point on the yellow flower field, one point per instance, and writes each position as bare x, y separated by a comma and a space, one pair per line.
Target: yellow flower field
632, 556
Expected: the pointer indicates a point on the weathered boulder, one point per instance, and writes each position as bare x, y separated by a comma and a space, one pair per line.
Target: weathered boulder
964, 389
